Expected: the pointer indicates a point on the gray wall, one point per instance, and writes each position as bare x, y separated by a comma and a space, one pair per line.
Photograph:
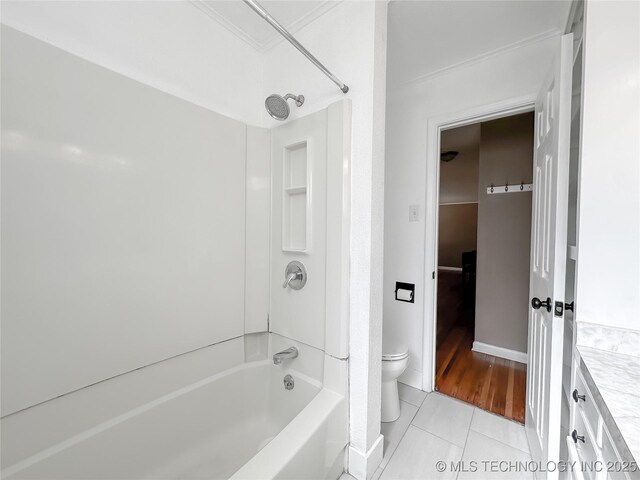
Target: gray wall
459, 178
456, 232
458, 216
504, 233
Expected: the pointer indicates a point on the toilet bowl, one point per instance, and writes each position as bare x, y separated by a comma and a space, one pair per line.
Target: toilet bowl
394, 363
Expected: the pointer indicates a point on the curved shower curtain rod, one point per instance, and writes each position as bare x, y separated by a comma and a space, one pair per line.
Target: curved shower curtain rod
256, 7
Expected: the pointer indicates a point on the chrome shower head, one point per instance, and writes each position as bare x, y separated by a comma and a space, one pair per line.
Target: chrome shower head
278, 107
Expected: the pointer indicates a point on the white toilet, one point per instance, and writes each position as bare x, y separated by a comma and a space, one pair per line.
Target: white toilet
395, 358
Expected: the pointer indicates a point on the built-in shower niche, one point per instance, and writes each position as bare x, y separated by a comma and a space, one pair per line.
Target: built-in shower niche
295, 221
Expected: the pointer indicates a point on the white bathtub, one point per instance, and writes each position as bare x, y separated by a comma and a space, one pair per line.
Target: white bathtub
239, 423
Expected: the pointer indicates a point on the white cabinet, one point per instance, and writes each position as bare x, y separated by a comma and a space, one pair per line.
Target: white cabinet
583, 400
585, 443
590, 443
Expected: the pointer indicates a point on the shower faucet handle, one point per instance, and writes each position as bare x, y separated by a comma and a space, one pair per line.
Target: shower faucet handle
295, 275
290, 278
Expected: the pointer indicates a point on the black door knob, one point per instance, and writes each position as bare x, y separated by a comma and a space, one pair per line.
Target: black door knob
577, 437
536, 303
577, 396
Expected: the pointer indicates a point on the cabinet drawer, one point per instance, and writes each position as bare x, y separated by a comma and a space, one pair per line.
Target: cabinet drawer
587, 406
585, 444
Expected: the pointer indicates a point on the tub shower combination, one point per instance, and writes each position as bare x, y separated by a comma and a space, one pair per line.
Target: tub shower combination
268, 401
226, 411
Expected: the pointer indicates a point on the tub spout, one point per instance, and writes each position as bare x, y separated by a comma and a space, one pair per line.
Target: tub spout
291, 352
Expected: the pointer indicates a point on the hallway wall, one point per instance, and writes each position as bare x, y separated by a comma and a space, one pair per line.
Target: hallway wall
457, 233
504, 233
458, 212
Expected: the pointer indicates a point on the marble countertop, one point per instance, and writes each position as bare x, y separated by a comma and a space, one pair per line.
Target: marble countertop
616, 377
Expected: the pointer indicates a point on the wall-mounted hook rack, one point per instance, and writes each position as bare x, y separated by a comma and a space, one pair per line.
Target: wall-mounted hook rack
515, 188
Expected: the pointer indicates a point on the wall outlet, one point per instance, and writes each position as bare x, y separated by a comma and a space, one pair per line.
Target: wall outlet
414, 213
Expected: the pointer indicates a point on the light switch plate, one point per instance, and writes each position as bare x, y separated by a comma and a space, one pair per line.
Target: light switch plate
413, 213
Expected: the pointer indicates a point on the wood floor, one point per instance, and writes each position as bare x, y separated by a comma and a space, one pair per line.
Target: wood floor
491, 383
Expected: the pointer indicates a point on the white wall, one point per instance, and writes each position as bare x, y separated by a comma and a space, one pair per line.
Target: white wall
514, 73
355, 51
318, 314
170, 45
122, 223
608, 276
258, 227
300, 314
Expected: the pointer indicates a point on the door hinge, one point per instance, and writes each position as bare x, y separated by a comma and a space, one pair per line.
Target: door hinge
558, 309
433, 275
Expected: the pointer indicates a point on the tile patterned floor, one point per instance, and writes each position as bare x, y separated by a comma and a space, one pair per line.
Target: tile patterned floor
433, 427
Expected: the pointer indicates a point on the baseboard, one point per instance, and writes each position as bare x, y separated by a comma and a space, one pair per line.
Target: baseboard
500, 352
450, 269
362, 466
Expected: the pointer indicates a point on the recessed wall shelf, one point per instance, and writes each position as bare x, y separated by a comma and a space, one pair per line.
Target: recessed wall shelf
295, 218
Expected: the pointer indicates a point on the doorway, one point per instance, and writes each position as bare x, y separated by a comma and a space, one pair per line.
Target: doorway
483, 252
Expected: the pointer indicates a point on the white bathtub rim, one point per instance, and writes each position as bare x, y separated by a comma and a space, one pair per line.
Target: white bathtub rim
110, 423
291, 439
63, 417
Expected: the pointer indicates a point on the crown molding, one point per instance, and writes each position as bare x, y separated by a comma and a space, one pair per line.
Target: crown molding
211, 13
263, 47
310, 17
482, 57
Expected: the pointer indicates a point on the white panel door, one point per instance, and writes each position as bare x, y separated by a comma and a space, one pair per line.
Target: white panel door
548, 255
299, 227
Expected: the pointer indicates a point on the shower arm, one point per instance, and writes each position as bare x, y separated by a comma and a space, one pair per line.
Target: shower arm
256, 7
299, 99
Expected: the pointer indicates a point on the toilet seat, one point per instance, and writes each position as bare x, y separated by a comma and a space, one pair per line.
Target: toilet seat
391, 357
